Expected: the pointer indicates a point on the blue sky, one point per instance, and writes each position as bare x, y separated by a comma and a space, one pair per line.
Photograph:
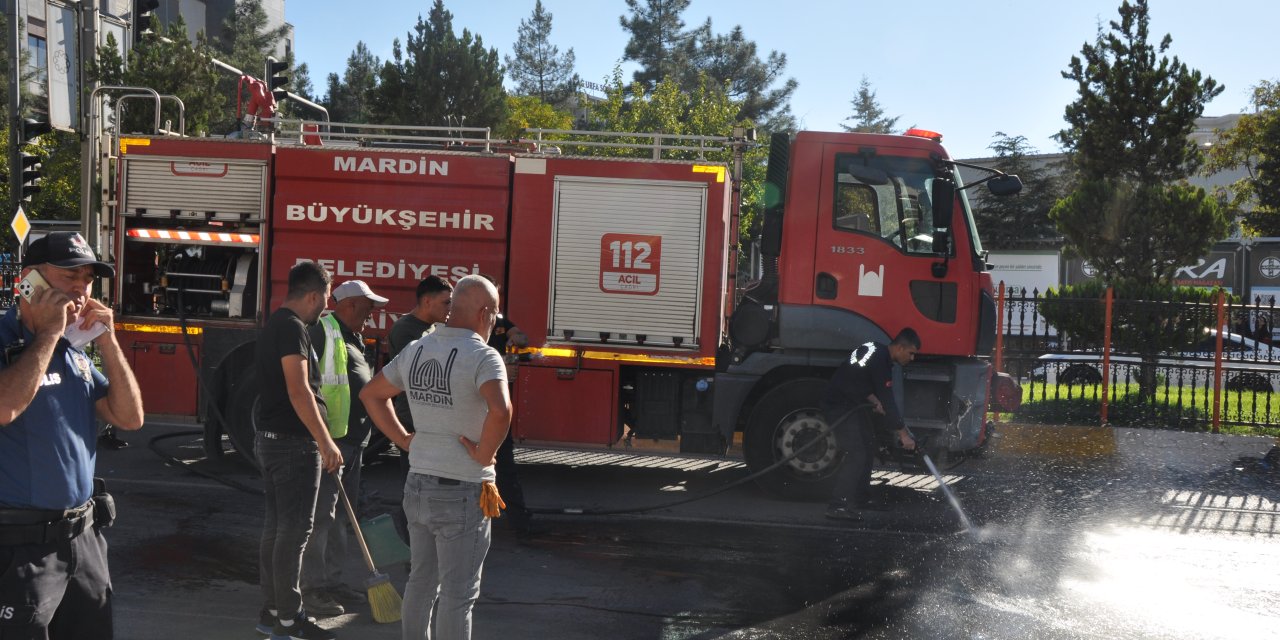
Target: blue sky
965, 69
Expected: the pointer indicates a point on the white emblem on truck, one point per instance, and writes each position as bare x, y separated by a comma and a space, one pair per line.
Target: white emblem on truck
404, 218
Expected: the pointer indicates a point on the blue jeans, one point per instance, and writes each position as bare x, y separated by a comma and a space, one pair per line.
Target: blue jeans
291, 479
448, 540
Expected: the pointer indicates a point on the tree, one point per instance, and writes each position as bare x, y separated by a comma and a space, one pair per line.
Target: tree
868, 116
1254, 145
171, 65
530, 112
350, 98
439, 76
538, 67
1020, 221
658, 41
1128, 139
732, 61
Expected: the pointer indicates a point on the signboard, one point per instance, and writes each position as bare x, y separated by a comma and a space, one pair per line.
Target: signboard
1024, 273
630, 263
64, 75
1218, 269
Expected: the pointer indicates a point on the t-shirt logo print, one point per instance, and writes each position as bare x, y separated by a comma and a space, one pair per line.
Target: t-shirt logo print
429, 380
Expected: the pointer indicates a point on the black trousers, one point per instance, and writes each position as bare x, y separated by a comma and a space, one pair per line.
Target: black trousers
59, 590
509, 484
856, 438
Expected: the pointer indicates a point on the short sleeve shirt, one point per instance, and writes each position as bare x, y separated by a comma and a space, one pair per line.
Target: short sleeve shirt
441, 376
284, 335
47, 455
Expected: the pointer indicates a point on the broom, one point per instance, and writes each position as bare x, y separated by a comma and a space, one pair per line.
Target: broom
383, 597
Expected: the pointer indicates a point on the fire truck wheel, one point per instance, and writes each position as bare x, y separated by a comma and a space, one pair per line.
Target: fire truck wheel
240, 415
786, 419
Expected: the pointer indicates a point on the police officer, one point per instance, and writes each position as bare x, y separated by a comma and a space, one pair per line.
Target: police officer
863, 385
52, 398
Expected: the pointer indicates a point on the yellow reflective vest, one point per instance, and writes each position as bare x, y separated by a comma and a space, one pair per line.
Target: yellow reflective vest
334, 388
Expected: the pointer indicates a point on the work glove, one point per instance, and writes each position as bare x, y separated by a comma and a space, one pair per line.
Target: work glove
490, 500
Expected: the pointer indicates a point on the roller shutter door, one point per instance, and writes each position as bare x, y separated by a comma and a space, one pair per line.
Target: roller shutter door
195, 189
591, 211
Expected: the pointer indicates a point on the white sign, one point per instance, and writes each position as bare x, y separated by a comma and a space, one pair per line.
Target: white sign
1022, 274
64, 75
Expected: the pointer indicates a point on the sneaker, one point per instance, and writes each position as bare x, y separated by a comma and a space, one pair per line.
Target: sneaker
303, 628
843, 512
266, 621
346, 595
321, 604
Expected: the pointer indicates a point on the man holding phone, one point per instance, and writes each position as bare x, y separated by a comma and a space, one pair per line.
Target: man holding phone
50, 509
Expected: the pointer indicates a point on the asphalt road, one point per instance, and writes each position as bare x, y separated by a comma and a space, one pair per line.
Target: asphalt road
1169, 535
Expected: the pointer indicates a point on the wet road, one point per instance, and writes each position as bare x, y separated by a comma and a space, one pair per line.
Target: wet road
1169, 536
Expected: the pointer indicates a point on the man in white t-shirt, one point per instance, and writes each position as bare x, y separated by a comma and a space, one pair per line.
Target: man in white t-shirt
457, 390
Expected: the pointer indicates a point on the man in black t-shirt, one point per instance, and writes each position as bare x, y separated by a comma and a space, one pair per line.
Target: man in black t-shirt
293, 447
861, 386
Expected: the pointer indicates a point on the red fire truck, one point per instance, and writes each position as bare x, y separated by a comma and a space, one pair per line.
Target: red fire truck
620, 269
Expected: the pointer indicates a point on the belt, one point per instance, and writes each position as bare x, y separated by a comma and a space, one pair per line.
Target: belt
276, 435
38, 526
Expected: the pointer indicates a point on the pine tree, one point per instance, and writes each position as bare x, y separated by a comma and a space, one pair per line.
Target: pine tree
658, 41
538, 67
868, 116
1128, 141
350, 98
1020, 221
732, 61
440, 78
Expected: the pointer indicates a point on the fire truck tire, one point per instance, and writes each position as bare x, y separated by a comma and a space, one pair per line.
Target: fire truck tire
786, 419
241, 411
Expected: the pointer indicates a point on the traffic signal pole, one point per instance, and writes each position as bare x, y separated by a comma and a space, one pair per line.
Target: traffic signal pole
15, 109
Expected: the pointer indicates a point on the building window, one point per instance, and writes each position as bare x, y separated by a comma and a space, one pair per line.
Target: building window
38, 60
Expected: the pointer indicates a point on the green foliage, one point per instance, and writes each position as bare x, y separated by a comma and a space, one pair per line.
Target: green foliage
868, 116
529, 112
1128, 140
172, 66
1146, 318
1139, 233
666, 51
1019, 221
538, 67
1134, 113
439, 75
350, 98
1254, 145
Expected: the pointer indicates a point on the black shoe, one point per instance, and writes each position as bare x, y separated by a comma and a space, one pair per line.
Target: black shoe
320, 603
266, 621
303, 628
843, 512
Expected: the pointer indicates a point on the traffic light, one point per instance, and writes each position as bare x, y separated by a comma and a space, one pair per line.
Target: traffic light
276, 80
143, 20
27, 165
30, 171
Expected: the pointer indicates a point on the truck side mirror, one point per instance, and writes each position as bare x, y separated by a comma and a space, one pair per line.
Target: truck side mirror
942, 241
1005, 185
943, 197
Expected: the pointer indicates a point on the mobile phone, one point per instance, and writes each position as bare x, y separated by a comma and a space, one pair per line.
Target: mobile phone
31, 283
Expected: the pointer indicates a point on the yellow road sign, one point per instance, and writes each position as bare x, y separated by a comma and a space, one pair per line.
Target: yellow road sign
21, 225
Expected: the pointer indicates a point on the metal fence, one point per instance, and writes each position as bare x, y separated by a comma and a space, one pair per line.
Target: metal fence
1159, 370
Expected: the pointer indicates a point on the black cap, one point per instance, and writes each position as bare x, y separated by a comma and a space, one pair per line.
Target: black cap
65, 249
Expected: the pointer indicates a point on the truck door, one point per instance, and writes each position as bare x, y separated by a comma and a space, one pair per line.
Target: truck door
874, 247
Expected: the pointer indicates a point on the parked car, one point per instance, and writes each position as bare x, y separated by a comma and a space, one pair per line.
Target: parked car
1248, 364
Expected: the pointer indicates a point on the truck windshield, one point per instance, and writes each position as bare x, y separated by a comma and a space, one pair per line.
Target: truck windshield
885, 196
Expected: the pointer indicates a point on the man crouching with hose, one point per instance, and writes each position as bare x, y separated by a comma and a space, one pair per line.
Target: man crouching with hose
865, 378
